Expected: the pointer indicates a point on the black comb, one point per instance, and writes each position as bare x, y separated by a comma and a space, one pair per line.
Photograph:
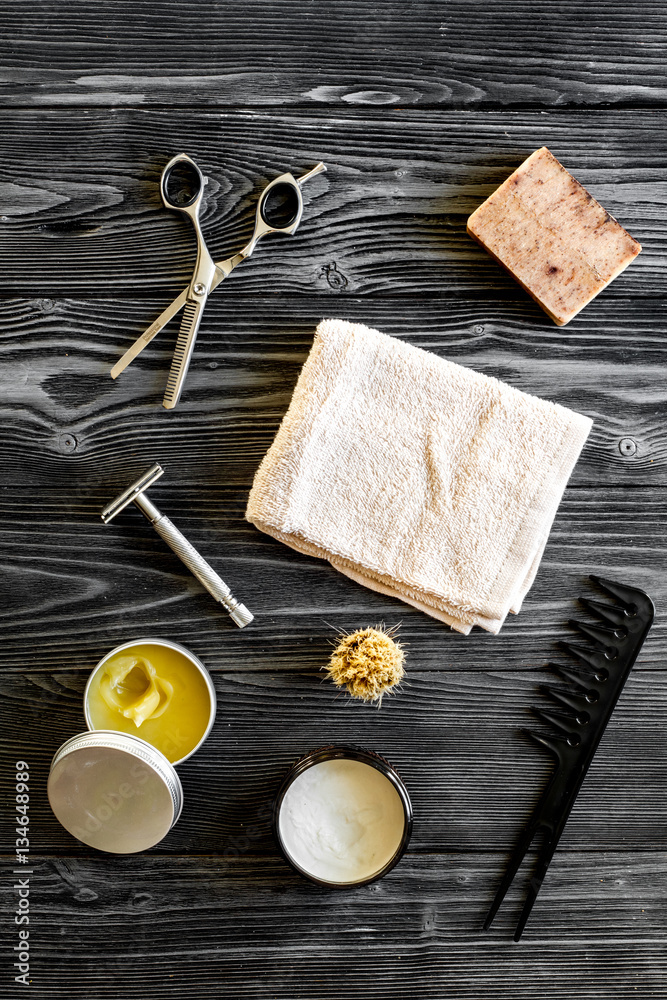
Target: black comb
581, 713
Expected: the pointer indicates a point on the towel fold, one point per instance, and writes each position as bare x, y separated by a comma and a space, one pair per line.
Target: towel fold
416, 477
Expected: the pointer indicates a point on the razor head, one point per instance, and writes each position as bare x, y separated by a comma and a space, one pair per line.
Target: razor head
133, 491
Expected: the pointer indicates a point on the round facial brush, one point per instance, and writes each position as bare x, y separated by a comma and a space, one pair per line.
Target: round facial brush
368, 662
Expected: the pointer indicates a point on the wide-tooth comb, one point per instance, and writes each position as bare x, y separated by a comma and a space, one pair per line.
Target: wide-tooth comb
583, 712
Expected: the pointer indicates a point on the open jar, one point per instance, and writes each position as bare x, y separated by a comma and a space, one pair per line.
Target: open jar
148, 705
342, 816
156, 690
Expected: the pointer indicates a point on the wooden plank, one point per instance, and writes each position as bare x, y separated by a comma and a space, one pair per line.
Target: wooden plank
74, 588
64, 411
453, 736
467, 54
82, 212
249, 927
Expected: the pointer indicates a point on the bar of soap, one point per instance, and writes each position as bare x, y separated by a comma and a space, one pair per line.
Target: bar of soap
552, 236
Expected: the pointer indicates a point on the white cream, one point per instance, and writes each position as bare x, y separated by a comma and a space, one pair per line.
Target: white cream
341, 820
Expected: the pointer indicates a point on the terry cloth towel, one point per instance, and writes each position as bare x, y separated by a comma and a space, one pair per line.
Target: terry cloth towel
416, 477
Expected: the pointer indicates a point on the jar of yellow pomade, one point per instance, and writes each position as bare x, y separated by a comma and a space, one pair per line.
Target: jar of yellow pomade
156, 690
149, 705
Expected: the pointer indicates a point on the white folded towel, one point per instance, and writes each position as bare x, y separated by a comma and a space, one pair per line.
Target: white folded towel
417, 477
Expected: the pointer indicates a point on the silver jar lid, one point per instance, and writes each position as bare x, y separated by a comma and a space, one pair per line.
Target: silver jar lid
113, 791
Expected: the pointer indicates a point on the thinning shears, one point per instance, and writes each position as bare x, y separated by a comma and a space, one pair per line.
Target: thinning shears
279, 210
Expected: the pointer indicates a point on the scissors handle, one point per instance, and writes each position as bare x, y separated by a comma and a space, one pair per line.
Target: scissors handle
182, 184
279, 210
182, 188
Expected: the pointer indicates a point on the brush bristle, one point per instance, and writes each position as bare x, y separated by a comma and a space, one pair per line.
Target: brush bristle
368, 662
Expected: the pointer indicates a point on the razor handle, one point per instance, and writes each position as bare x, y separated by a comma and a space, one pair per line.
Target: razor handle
195, 562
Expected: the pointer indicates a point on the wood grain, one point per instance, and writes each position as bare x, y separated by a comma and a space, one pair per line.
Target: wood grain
83, 214
65, 606
67, 413
419, 110
453, 736
261, 931
464, 54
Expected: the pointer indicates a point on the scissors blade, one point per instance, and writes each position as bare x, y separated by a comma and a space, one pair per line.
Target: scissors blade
183, 352
152, 331
221, 272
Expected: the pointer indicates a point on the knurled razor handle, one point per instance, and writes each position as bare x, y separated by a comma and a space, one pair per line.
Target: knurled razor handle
198, 566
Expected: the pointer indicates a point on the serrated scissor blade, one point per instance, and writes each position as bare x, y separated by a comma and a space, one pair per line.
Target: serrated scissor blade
152, 331
182, 353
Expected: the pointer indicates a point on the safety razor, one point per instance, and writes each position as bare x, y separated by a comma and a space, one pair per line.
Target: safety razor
186, 552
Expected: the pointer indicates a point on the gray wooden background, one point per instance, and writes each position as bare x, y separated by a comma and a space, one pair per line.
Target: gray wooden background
419, 110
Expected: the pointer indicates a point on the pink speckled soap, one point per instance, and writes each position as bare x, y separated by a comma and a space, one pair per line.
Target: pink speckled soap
552, 236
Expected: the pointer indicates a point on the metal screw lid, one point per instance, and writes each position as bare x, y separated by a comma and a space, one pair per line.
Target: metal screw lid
113, 791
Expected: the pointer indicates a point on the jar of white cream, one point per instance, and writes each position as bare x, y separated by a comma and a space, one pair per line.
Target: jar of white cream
342, 816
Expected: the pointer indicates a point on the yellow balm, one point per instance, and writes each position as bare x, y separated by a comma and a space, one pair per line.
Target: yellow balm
155, 690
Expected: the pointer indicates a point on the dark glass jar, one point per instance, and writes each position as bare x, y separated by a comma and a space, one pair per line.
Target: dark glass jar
344, 751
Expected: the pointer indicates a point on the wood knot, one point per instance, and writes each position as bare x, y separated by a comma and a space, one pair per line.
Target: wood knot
627, 447
67, 443
335, 278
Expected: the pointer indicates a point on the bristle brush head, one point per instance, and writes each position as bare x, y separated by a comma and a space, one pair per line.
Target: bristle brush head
368, 662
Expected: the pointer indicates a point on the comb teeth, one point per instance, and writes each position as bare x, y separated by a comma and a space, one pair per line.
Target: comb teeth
565, 725
609, 613
589, 694
605, 637
575, 704
588, 657
578, 720
627, 596
553, 743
